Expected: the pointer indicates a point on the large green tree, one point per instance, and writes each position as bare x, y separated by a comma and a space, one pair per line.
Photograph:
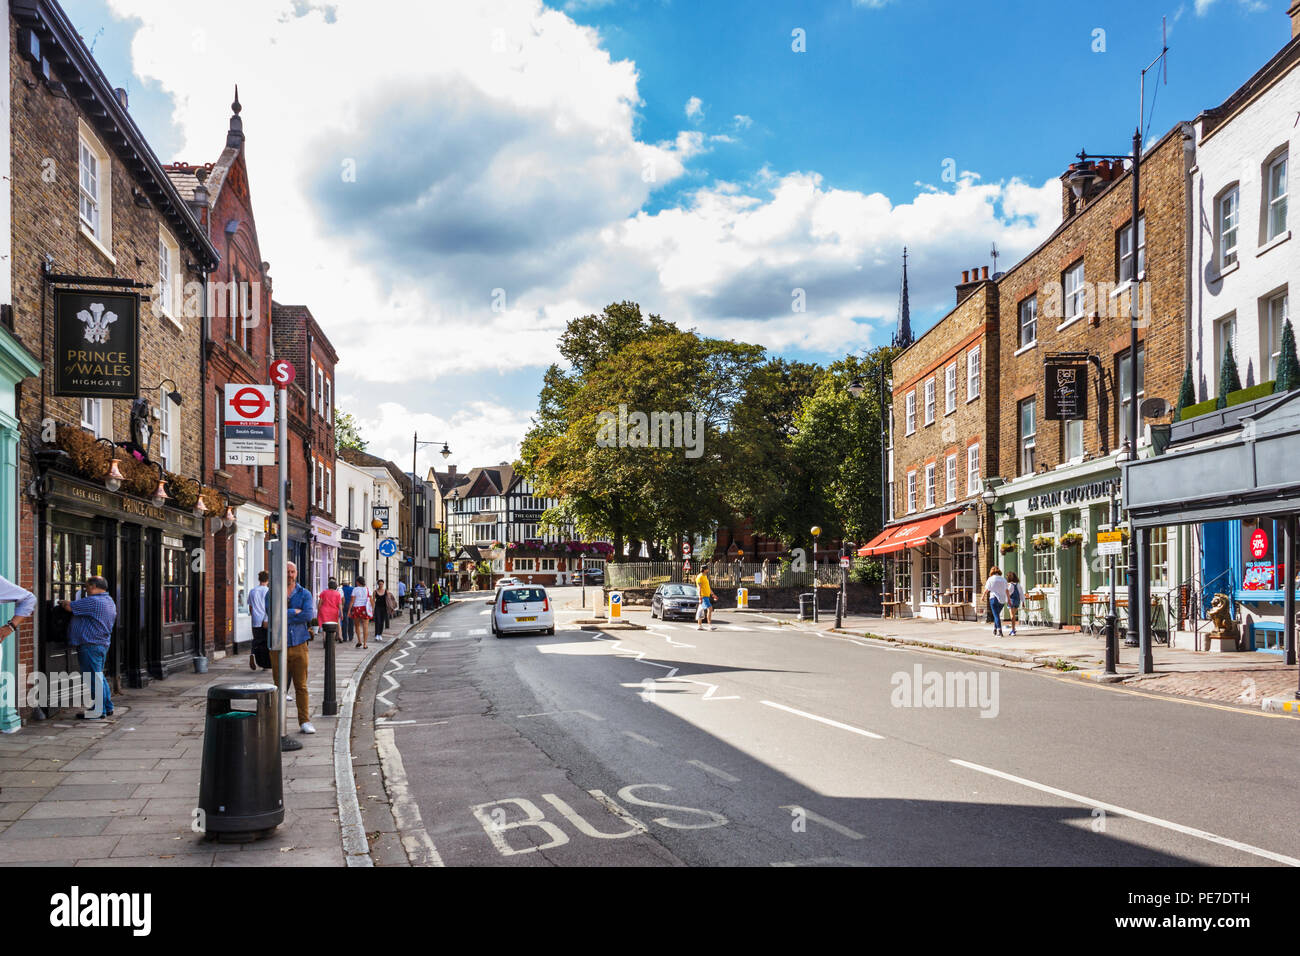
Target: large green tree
347, 433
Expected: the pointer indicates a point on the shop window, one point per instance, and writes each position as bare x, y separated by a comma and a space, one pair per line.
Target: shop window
176, 591
1044, 557
930, 573
903, 576
1158, 545
241, 577
963, 570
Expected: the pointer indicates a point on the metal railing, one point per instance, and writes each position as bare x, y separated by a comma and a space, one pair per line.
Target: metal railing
649, 574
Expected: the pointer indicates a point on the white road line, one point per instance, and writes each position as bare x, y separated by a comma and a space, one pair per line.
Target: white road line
1134, 815
587, 713
440, 634
485, 613
406, 813
839, 828
720, 774
382, 722
823, 720
644, 740
478, 630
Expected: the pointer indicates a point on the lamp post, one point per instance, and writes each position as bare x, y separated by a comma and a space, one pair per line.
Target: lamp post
376, 525
816, 533
446, 528
410, 578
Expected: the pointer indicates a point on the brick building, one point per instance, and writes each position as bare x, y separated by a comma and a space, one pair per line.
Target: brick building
314, 534
944, 440
95, 216
236, 350
1068, 302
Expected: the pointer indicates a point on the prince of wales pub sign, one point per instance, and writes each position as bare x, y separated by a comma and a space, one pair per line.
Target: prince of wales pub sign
96, 344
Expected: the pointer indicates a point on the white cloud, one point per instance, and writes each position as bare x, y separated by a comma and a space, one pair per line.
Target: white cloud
741, 121
478, 433
870, 4
694, 108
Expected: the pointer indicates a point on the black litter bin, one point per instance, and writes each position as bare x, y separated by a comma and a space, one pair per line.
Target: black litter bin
240, 789
806, 607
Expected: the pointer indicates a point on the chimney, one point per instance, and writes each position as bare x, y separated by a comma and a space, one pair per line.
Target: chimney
120, 94
965, 276
969, 279
451, 470
984, 273
1294, 14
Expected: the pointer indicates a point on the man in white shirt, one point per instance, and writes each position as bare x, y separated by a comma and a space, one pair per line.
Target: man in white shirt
25, 600
257, 611
996, 589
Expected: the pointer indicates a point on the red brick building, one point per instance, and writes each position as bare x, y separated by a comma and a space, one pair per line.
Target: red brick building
236, 350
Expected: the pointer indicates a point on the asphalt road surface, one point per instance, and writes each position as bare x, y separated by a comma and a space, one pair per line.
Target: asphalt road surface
757, 744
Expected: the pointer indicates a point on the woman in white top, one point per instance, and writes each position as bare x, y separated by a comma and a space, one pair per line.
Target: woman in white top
996, 589
359, 610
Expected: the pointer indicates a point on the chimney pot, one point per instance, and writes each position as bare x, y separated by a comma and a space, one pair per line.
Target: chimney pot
985, 273
965, 276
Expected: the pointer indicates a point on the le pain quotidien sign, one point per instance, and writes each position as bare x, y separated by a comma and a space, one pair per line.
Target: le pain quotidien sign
96, 344
1089, 491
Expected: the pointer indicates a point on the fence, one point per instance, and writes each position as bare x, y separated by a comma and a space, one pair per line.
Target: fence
649, 574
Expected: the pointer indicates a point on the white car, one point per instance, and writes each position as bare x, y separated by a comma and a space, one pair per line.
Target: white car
525, 607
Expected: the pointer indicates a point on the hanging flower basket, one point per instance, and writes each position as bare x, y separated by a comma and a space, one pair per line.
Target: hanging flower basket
1006, 547
1072, 538
1044, 542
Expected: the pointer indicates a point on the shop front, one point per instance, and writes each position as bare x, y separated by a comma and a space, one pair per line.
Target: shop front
931, 564
250, 560
1046, 532
148, 554
350, 550
325, 541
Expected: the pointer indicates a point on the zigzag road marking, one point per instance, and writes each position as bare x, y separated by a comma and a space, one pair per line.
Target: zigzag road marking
397, 665
639, 656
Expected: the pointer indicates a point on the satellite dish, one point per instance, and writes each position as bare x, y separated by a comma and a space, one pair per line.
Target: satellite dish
1155, 408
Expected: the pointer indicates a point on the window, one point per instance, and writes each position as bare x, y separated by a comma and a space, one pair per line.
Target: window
930, 572
329, 489
929, 402
963, 570
911, 492
1124, 241
973, 470
312, 385
950, 389
352, 500
1075, 292
327, 406
951, 478
169, 267
1126, 389
929, 485
527, 532
1228, 216
1158, 541
1028, 432
1276, 316
1071, 439
545, 564
524, 564
92, 416
973, 374
94, 188
1275, 192
911, 411
1044, 558
903, 576
1029, 321
177, 607
167, 432
217, 461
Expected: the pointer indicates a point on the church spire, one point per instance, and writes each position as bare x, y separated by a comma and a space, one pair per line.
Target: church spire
903, 334
235, 137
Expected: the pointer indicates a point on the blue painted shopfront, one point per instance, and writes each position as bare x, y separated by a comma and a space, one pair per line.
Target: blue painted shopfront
1229, 564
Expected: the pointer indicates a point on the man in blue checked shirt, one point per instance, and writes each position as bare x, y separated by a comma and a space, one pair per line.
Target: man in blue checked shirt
302, 609
90, 631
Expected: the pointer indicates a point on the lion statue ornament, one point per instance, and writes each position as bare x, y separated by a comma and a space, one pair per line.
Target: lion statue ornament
1220, 616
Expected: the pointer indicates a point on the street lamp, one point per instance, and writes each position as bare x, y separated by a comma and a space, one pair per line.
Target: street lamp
856, 389
410, 578
816, 533
446, 527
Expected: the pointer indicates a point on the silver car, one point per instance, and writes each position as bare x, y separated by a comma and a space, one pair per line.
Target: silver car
675, 600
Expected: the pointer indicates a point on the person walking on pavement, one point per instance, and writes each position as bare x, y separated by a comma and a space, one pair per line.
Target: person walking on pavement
25, 600
329, 608
401, 594
261, 654
706, 598
385, 608
345, 628
358, 608
301, 612
1015, 597
90, 631
996, 589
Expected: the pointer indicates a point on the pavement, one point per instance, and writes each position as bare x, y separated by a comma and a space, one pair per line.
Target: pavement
759, 743
123, 792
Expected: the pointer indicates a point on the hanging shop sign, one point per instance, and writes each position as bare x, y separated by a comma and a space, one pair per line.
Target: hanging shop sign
1067, 391
1076, 493
96, 344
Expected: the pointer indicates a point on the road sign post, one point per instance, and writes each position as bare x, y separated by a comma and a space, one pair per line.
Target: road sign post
282, 373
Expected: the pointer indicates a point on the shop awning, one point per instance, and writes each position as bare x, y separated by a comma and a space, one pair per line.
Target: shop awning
906, 535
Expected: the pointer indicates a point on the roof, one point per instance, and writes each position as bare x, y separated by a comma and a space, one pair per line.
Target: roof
363, 459
86, 85
1272, 71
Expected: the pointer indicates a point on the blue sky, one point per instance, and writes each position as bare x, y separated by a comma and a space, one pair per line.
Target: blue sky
505, 147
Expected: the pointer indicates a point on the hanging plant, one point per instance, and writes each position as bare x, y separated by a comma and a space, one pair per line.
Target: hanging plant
1072, 538
90, 458
1044, 542
1007, 547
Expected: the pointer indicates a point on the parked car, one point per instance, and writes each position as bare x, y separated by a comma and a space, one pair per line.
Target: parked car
593, 575
506, 582
675, 600
522, 608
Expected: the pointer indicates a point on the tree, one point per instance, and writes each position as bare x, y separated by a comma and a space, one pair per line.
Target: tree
1229, 378
1288, 365
1186, 394
347, 433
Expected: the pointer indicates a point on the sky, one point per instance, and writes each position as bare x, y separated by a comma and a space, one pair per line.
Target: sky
446, 183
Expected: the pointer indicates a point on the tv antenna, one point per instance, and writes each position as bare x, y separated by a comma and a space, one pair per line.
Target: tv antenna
994, 253
1163, 61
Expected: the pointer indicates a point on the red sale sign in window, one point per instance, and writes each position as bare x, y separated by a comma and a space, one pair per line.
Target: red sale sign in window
1258, 543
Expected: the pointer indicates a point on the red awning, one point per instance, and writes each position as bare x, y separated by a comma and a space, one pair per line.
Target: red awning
907, 535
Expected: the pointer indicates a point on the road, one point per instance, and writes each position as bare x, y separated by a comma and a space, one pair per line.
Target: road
760, 744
